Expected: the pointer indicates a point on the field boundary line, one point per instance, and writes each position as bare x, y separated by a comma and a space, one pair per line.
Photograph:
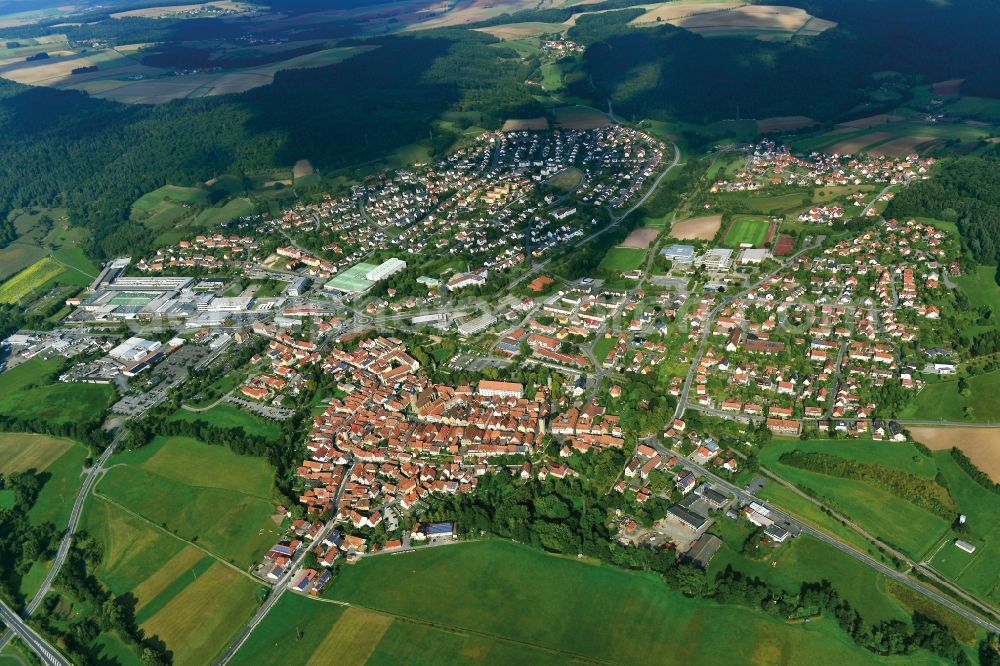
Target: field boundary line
452, 629
159, 528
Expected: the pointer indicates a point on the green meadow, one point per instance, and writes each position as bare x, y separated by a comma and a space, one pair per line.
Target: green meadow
32, 391
893, 519
204, 494
225, 415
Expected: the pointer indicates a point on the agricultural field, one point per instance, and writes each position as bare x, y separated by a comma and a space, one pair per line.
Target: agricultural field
975, 572
896, 521
29, 280
230, 416
765, 22
148, 202
30, 392
943, 401
778, 124
171, 582
697, 228
580, 117
622, 259
641, 238
482, 618
749, 230
59, 460
204, 494
979, 444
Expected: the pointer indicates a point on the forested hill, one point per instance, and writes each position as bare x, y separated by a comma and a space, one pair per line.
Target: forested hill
97, 157
666, 72
967, 191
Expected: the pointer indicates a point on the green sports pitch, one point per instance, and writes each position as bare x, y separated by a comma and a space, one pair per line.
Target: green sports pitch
747, 230
132, 298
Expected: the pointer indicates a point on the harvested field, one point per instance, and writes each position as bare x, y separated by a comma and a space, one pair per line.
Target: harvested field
302, 169
173, 10
816, 26
523, 30
641, 238
517, 125
580, 117
20, 452
44, 72
672, 11
871, 121
697, 228
856, 144
900, 147
981, 445
947, 88
784, 123
772, 18
474, 11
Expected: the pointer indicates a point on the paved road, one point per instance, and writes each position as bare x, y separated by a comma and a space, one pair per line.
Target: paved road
781, 517
280, 587
67, 540
46, 653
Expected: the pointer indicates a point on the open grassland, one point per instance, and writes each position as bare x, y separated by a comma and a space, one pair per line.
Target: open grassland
674, 11
981, 288
764, 204
30, 391
30, 279
749, 230
204, 494
170, 193
981, 445
895, 520
697, 228
590, 610
60, 461
942, 400
229, 416
622, 259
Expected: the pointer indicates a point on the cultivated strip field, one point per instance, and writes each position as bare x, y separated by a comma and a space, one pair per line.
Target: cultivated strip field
29, 279
856, 144
641, 238
521, 124
753, 18
981, 445
902, 146
580, 117
697, 228
784, 124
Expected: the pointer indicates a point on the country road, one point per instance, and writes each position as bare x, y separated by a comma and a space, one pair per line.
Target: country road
67, 540
782, 517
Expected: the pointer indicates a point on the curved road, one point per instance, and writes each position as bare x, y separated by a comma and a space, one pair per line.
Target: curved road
64, 545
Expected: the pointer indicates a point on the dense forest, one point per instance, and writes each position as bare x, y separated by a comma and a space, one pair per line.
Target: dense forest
967, 191
667, 72
97, 157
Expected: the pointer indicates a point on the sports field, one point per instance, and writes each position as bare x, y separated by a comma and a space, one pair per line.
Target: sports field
895, 520
492, 594
749, 230
622, 259
30, 391
204, 494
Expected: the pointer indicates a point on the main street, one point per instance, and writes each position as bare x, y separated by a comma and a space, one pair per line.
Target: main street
280, 587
